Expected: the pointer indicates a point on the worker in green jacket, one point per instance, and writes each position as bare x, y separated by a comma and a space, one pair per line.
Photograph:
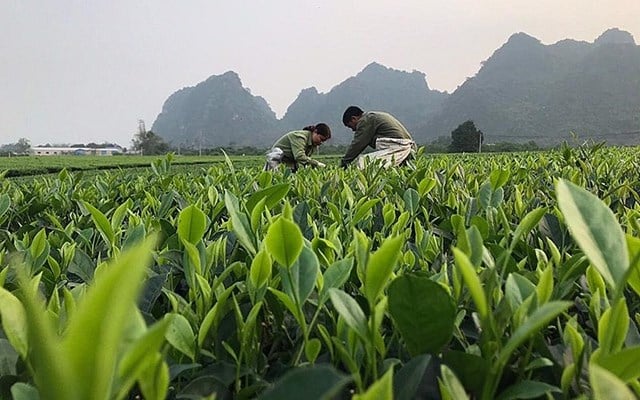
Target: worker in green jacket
296, 147
380, 130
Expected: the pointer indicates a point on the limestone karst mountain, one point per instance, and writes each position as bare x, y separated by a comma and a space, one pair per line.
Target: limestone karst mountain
525, 91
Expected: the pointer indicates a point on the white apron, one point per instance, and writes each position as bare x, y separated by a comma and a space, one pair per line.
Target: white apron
391, 151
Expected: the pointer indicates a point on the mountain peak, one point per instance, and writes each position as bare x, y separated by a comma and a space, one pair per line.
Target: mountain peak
374, 66
615, 36
522, 38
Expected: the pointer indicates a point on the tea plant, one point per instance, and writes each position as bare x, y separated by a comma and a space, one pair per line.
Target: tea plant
469, 276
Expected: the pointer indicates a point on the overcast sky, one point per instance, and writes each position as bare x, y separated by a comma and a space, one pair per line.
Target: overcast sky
79, 71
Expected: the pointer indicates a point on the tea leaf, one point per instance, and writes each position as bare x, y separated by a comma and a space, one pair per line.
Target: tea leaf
382, 389
23, 391
14, 322
527, 224
300, 279
98, 324
335, 276
408, 378
350, 311
596, 230
271, 196
470, 277
5, 203
141, 354
450, 386
284, 241
532, 325
606, 386
625, 364
260, 271
423, 312
180, 335
613, 327
528, 390
192, 223
102, 223
380, 266
318, 382
239, 223
311, 349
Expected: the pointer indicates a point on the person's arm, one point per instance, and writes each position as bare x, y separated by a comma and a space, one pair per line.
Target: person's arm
362, 137
300, 157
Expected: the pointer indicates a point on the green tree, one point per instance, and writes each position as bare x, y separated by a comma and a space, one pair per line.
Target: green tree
466, 138
23, 145
149, 143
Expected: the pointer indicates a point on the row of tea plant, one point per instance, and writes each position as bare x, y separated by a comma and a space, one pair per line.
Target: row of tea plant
466, 276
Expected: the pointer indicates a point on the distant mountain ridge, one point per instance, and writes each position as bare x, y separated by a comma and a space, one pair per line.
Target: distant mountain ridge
525, 91
530, 91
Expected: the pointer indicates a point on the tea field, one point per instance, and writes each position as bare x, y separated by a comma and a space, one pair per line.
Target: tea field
39, 165
502, 276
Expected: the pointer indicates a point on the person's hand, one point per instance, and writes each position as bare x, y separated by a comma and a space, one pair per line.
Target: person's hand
321, 164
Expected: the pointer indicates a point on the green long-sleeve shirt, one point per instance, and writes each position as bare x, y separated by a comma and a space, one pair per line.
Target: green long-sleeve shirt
371, 126
297, 146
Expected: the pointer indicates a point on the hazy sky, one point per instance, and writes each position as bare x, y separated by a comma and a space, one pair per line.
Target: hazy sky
75, 71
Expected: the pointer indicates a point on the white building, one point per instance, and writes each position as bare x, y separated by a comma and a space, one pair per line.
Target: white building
74, 151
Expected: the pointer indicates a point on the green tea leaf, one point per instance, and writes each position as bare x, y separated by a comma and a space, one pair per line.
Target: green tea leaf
119, 214
240, 223
14, 322
102, 223
633, 245
411, 200
98, 324
260, 271
23, 391
192, 223
596, 230
45, 353
613, 327
463, 264
141, 354
382, 389
335, 277
363, 210
380, 266
606, 386
5, 203
350, 311
544, 289
250, 324
256, 214
499, 177
284, 241
317, 382
154, 382
528, 390
180, 335
526, 225
311, 349
407, 380
450, 386
300, 279
423, 311
532, 325
625, 364
271, 195
470, 369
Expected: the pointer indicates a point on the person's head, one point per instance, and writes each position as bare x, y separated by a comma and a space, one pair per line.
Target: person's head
351, 117
320, 133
